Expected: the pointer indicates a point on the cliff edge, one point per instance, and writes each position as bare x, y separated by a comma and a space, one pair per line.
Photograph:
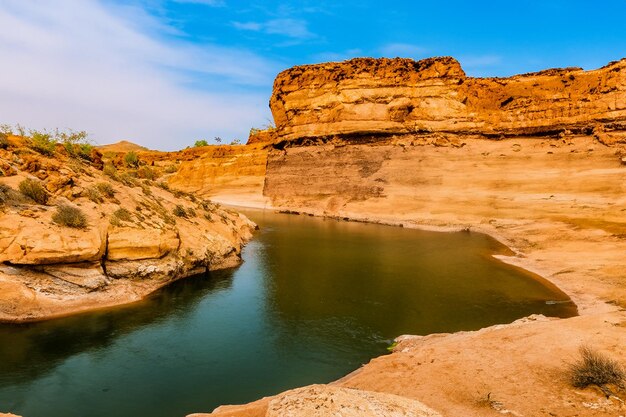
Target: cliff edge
366, 96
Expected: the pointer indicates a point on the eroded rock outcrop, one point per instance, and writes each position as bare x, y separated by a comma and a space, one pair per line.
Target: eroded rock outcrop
398, 96
134, 237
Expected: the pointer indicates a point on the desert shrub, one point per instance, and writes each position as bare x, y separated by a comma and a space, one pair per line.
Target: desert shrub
170, 169
191, 212
75, 143
94, 195
105, 189
6, 129
163, 185
594, 368
70, 216
146, 173
123, 214
146, 189
179, 211
110, 171
42, 142
127, 179
8, 195
4, 142
131, 159
34, 190
200, 143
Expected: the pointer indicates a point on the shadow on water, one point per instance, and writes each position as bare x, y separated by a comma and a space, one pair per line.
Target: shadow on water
313, 301
30, 350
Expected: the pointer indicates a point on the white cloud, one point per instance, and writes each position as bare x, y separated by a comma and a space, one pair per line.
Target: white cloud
292, 28
404, 50
90, 66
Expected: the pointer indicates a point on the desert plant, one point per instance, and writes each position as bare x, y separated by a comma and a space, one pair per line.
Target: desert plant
105, 189
236, 142
42, 142
191, 212
594, 368
94, 195
4, 142
128, 179
131, 159
34, 190
200, 143
8, 195
110, 171
163, 185
6, 129
146, 173
70, 216
122, 214
170, 169
179, 211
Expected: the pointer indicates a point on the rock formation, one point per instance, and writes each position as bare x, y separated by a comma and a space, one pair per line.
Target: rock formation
366, 96
134, 237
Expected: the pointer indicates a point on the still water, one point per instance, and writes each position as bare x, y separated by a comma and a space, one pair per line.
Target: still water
313, 301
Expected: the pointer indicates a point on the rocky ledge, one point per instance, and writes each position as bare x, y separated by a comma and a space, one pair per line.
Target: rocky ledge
77, 233
366, 96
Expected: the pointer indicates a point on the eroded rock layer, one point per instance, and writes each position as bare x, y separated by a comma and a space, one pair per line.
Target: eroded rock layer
396, 96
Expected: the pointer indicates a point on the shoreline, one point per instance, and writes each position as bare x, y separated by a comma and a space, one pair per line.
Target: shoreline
489, 355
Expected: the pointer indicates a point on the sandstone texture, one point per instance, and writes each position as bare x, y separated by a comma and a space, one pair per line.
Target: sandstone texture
138, 235
535, 160
397, 96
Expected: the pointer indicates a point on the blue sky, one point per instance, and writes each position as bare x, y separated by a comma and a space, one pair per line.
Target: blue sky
165, 73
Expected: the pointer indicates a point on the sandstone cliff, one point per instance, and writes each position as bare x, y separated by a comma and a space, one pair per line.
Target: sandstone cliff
74, 238
398, 96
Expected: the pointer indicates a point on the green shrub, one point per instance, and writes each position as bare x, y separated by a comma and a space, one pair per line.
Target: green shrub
123, 214
42, 142
200, 143
180, 211
106, 189
34, 190
70, 216
131, 159
594, 368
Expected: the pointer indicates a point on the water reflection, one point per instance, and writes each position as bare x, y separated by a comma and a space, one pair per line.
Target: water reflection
313, 301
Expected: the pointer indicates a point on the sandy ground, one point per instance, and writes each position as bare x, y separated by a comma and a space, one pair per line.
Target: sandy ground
559, 206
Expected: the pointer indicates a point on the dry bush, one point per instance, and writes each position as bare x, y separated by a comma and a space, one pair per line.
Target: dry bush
106, 189
170, 169
123, 214
34, 190
94, 195
147, 173
110, 171
8, 196
70, 216
179, 211
595, 368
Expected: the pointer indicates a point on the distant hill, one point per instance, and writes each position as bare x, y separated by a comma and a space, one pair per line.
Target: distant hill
122, 146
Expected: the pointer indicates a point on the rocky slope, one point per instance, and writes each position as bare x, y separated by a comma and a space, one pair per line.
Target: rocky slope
397, 96
77, 234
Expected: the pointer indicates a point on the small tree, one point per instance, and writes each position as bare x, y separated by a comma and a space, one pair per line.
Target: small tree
200, 143
218, 139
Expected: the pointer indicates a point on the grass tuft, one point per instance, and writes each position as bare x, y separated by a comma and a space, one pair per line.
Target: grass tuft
34, 190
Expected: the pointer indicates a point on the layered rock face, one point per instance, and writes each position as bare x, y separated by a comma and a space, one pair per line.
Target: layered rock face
136, 235
397, 96
235, 173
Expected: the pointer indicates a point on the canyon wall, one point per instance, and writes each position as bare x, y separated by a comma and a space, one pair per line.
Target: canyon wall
398, 96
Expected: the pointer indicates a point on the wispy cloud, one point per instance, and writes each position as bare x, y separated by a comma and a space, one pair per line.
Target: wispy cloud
405, 50
89, 65
292, 28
